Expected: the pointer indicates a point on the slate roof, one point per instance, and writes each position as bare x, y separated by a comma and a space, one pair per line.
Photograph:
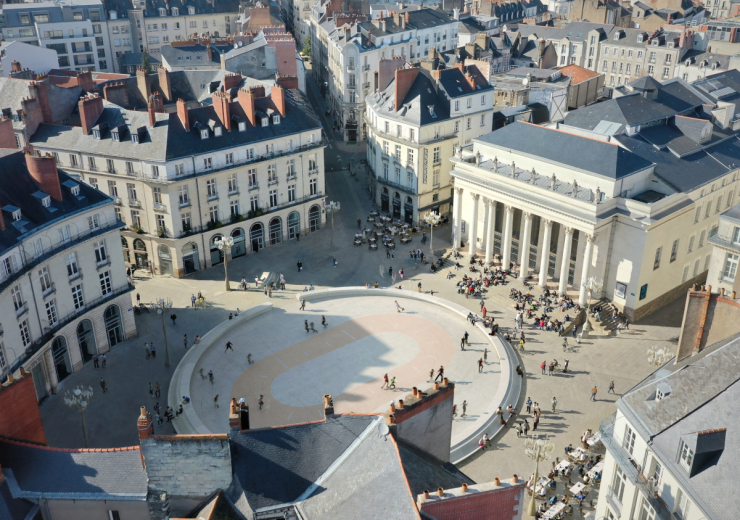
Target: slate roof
574, 31
455, 84
370, 484
423, 471
13, 508
276, 465
724, 86
193, 55
418, 19
555, 146
696, 57
153, 6
414, 110
42, 472
18, 188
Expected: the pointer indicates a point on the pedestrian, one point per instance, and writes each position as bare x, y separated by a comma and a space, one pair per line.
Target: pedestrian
138, 299
385, 381
390, 271
178, 412
387, 253
485, 311
158, 418
269, 291
185, 341
465, 337
158, 389
261, 402
551, 369
398, 306
487, 440
173, 317
611, 387
535, 422
300, 266
440, 373
392, 384
485, 356
359, 223
305, 324
156, 407
303, 304
419, 286
103, 361
525, 428
454, 410
153, 349
215, 401
462, 343
323, 321
431, 375
518, 430
228, 347
480, 365
575, 328
148, 350
202, 376
335, 261
565, 367
482, 444
102, 385
312, 329
197, 340
151, 390
97, 365
192, 300
464, 408
249, 359
210, 376
528, 402
554, 404
543, 366
593, 393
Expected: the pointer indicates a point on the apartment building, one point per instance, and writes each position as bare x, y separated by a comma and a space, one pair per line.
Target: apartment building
414, 126
628, 54
34, 58
133, 28
248, 165
346, 53
65, 295
75, 29
577, 43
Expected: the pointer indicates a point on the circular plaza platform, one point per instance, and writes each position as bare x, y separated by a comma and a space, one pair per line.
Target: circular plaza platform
365, 338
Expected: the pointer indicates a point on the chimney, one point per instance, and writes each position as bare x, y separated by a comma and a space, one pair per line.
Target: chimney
91, 106
328, 406
7, 135
150, 109
85, 81
406, 17
164, 83
231, 81
243, 416
246, 100
209, 52
404, 79
43, 170
145, 424
117, 93
16, 66
278, 97
233, 416
157, 102
142, 81
440, 492
42, 95
182, 111
223, 111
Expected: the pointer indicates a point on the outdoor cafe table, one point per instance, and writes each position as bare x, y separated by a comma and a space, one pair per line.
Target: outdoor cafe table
554, 510
594, 440
577, 488
596, 469
563, 465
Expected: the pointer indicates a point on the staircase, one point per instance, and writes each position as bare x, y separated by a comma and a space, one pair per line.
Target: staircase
606, 326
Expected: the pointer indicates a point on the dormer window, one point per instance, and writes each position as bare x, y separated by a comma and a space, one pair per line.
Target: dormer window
616, 35
686, 456
688, 63
162, 11
218, 131
96, 134
46, 201
276, 119
639, 38
135, 138
670, 45
655, 42
191, 10
17, 214
242, 126
431, 111
175, 11
204, 134
116, 137
264, 121
75, 190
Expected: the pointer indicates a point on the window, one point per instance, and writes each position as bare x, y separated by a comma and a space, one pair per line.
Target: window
410, 156
161, 226
643, 291
3, 361
131, 192
252, 177
119, 216
179, 169
101, 256
183, 195
457, 126
411, 134
77, 297
135, 219
618, 483
94, 182
313, 186
483, 99
273, 198
398, 176
207, 164
234, 206
467, 126
701, 238
291, 193
45, 280
687, 456
51, 312
211, 188
72, 269
656, 262
398, 152
272, 173
155, 171
707, 209
483, 120
213, 213
232, 183
730, 269
254, 203
457, 105
111, 165
105, 286
25, 335
674, 251
129, 167
682, 509
437, 155
157, 195
628, 442
697, 214
645, 512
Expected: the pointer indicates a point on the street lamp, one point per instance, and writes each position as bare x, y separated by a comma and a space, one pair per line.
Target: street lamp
432, 219
225, 245
79, 399
162, 306
332, 207
537, 450
592, 286
658, 357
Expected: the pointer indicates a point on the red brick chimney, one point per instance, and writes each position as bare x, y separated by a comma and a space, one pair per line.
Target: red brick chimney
145, 424
157, 102
41, 85
91, 106
182, 111
246, 100
142, 81
164, 83
16, 66
7, 135
85, 80
234, 416
117, 93
43, 170
278, 97
231, 81
404, 79
221, 102
209, 52
152, 117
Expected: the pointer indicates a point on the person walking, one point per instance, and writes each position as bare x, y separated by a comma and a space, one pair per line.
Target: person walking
215, 401
305, 324
103, 361
464, 408
398, 306
153, 349
611, 387
192, 300
575, 329
210, 376
300, 265
485, 356
97, 365
185, 340
535, 422
565, 367
158, 389
138, 299
440, 374
385, 381
593, 393
173, 317
419, 286
323, 321
392, 384
249, 359
525, 428
102, 385
148, 350
390, 271
261, 402
543, 366
151, 390
528, 402
518, 429
431, 375
312, 329
465, 337
551, 369
335, 261
228, 347
462, 343
480, 365
554, 403
303, 304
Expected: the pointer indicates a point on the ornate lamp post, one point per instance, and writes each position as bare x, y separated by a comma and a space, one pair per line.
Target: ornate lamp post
658, 357
537, 449
79, 399
592, 286
432, 219
162, 306
225, 245
332, 207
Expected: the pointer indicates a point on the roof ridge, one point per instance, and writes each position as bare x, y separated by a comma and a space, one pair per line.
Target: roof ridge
569, 133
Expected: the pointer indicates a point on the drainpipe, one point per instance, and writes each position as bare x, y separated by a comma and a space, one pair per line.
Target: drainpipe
200, 216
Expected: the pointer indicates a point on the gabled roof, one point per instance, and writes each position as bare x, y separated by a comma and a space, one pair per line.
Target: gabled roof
646, 83
578, 74
455, 83
14, 508
415, 104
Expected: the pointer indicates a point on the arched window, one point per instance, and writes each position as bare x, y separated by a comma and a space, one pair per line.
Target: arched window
294, 225
276, 231
239, 248
139, 245
165, 259
60, 354
314, 218
86, 340
113, 325
190, 260
217, 256
257, 236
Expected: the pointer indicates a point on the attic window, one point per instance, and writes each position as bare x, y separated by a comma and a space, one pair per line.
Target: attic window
659, 395
639, 38
116, 137
191, 10
96, 134
218, 131
431, 111
242, 126
162, 11
135, 138
686, 456
46, 201
276, 119
670, 45
179, 58
75, 190
17, 214
616, 35
204, 134
688, 62
655, 42
264, 121
460, 89
175, 11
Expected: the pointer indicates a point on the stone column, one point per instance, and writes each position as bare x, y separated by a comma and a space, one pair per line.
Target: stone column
545, 257
506, 236
524, 246
565, 263
590, 239
457, 219
491, 227
473, 235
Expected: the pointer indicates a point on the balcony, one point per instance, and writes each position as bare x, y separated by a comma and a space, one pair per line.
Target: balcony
134, 203
75, 276
49, 290
396, 185
212, 196
254, 186
103, 263
233, 192
614, 501
351, 68
117, 200
184, 203
272, 182
21, 309
366, 86
158, 206
614, 446
315, 171
365, 67
290, 176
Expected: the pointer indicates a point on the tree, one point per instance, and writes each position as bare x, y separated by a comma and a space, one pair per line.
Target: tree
146, 62
307, 46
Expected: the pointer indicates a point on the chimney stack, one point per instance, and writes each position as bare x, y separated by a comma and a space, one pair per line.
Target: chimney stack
164, 83
328, 406
404, 79
243, 416
233, 416
85, 81
223, 110
145, 424
142, 81
152, 118
246, 100
91, 106
278, 97
182, 111
43, 170
16, 66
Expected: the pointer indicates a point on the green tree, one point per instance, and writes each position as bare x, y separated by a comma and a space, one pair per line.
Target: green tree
146, 62
307, 46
